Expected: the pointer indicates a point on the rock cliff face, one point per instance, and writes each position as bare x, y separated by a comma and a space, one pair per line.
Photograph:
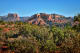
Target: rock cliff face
42, 19
36, 19
13, 17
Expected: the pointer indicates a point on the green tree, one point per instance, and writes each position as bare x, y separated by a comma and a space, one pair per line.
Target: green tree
77, 26
58, 36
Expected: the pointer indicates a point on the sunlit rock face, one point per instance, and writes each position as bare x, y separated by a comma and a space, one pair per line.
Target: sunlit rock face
13, 17
43, 19
36, 19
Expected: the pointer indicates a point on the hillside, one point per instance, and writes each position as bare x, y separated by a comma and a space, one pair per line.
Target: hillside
43, 19
22, 37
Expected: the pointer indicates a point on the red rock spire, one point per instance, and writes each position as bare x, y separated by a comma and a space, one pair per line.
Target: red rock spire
50, 18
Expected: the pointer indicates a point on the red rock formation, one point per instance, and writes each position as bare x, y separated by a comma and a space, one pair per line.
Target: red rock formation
50, 18
37, 19
13, 17
42, 19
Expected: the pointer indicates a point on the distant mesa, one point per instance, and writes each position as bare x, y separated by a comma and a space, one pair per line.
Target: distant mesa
13, 17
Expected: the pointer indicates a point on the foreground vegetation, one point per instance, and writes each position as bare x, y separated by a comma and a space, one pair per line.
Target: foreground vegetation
22, 37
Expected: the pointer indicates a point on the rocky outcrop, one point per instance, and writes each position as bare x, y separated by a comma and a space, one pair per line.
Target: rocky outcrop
36, 19
42, 19
13, 17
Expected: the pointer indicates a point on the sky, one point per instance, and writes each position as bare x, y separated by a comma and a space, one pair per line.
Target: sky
30, 7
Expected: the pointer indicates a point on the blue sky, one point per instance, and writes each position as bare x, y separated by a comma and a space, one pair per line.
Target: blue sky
30, 7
